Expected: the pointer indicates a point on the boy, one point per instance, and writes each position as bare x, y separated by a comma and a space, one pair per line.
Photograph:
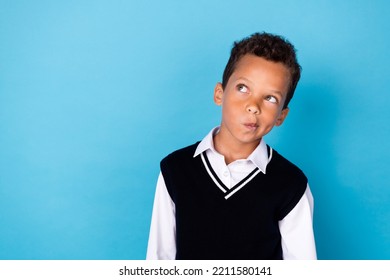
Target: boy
231, 196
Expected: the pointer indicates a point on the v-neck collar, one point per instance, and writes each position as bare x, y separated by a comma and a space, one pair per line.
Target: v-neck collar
227, 192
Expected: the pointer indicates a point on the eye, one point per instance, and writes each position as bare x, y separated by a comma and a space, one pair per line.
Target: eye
271, 99
242, 88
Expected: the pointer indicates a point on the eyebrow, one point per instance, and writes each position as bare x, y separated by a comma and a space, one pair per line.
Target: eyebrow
277, 92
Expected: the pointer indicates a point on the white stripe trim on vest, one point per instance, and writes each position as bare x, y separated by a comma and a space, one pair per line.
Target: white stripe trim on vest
242, 185
211, 174
223, 188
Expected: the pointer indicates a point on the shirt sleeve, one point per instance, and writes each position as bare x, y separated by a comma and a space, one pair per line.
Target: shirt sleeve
296, 230
162, 237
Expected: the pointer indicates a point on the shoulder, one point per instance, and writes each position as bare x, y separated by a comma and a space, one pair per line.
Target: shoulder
176, 167
180, 156
285, 168
290, 180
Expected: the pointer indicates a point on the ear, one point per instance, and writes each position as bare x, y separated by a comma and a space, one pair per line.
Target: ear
218, 94
282, 117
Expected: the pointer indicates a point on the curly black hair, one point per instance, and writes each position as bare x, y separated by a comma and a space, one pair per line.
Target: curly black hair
270, 47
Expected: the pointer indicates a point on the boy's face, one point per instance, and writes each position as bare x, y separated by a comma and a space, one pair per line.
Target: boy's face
252, 101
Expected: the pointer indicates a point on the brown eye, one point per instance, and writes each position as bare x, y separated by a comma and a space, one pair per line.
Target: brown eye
242, 88
272, 99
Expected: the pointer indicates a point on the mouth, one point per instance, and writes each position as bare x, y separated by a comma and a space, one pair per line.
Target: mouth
251, 126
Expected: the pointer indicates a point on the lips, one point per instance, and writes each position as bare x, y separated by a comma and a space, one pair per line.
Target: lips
251, 126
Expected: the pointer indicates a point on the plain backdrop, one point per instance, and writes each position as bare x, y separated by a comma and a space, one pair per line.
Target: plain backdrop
93, 94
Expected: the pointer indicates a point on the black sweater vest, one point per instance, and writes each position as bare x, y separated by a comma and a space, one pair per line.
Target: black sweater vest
243, 226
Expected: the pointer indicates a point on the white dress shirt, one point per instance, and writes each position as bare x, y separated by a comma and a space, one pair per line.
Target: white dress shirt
296, 228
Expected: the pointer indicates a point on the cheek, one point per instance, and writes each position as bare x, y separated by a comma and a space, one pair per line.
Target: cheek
270, 109
230, 104
228, 113
234, 109
271, 115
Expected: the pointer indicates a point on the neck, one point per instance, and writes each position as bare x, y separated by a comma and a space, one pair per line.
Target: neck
233, 150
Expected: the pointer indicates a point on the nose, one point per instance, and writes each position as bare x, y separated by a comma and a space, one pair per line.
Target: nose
253, 109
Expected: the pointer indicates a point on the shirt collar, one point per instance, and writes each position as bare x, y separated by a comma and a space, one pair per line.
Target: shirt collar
207, 143
258, 157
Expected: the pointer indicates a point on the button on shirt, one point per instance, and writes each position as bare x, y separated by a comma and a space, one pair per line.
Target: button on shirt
296, 228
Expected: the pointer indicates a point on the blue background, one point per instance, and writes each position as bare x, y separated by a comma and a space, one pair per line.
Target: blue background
94, 93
